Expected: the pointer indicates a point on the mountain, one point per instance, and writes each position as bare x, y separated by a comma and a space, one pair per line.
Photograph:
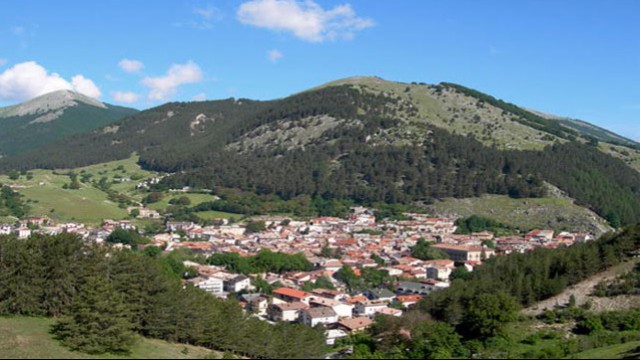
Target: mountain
365, 140
53, 116
586, 129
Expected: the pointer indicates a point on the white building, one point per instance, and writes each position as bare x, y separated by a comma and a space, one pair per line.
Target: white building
212, 285
5, 229
23, 232
341, 309
369, 308
237, 284
318, 315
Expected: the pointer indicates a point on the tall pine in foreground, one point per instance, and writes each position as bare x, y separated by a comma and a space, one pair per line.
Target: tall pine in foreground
100, 320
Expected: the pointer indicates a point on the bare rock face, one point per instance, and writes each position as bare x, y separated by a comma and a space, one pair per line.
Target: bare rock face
50, 106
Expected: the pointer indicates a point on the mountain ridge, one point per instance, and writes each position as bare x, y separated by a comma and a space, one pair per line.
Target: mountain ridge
365, 140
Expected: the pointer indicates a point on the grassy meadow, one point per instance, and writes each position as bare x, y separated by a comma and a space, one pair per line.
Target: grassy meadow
29, 338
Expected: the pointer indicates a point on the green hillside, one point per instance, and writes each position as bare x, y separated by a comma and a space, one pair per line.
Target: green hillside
44, 193
29, 338
526, 214
54, 116
364, 140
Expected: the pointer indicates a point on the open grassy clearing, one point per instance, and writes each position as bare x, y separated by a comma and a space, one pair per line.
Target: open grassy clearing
211, 215
46, 195
630, 350
194, 197
29, 338
527, 339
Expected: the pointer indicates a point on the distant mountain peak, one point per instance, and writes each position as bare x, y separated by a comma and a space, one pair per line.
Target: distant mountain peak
49, 104
52, 116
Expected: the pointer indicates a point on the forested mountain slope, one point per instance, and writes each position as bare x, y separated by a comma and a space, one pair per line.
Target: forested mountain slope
30, 125
363, 139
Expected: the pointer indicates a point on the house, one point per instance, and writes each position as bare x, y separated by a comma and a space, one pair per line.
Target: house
334, 334
369, 308
256, 303
23, 232
212, 285
393, 271
37, 221
462, 253
355, 324
5, 229
146, 213
580, 238
380, 294
390, 312
286, 311
318, 315
329, 294
419, 288
174, 226
440, 272
285, 294
340, 308
332, 265
237, 284
539, 235
125, 225
408, 300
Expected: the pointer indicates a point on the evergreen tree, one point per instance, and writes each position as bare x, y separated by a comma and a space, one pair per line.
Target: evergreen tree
99, 321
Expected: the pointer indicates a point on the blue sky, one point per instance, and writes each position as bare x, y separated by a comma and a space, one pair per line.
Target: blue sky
572, 58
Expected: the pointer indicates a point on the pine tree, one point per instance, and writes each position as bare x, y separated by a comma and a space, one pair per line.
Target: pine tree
99, 322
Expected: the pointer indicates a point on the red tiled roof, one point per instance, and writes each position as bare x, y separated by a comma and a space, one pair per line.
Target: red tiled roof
409, 298
290, 292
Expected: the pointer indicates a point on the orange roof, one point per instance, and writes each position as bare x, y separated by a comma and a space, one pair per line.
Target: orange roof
290, 292
441, 262
409, 298
357, 299
406, 268
356, 323
349, 241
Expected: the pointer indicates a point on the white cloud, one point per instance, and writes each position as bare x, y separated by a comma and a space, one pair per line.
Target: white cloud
163, 87
306, 20
208, 12
200, 97
207, 15
3, 61
127, 97
27, 80
85, 86
131, 66
274, 55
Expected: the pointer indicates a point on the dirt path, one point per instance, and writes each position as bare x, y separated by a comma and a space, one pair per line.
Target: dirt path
582, 292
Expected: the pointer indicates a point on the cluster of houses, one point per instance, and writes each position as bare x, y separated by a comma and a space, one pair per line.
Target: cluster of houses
42, 225
329, 243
